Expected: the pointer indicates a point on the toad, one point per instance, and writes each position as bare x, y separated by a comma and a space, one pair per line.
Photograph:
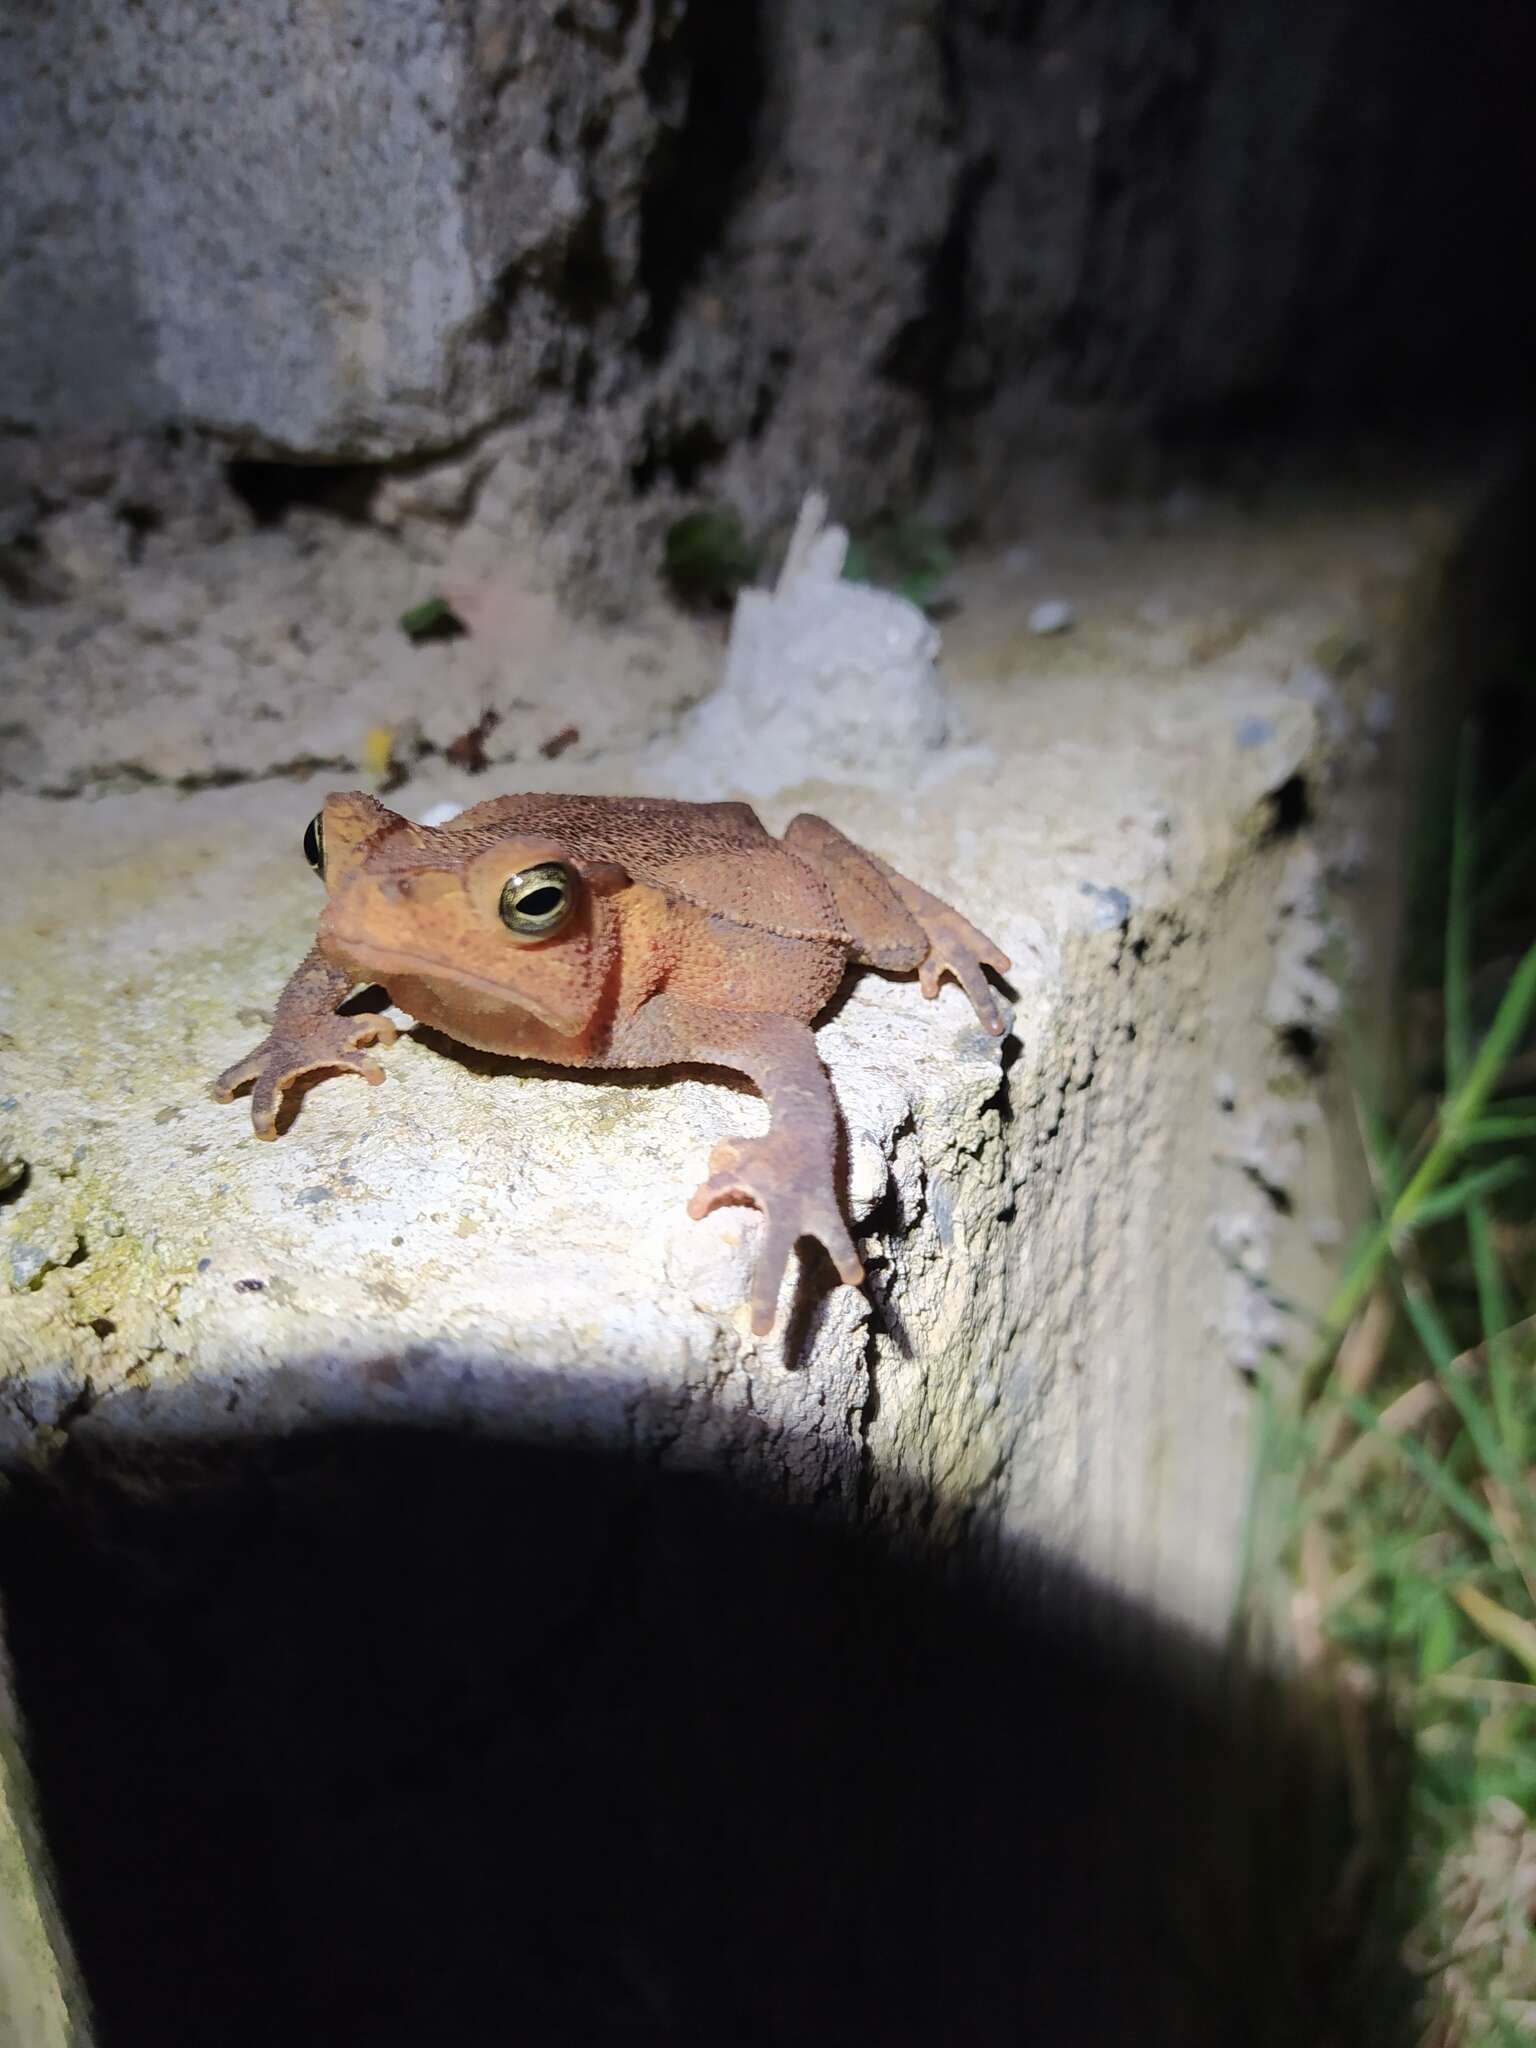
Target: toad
619, 932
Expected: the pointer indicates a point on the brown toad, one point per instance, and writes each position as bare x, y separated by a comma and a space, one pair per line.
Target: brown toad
619, 932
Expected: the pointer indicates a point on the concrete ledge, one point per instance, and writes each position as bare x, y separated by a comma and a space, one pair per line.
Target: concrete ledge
1078, 1248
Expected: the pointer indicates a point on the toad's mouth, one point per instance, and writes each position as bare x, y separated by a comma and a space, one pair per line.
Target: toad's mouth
372, 962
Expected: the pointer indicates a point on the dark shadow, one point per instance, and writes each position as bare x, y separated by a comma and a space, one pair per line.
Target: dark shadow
269, 490
903, 977
922, 353
292, 1105
706, 81
815, 1282
1290, 808
491, 1066
406, 1736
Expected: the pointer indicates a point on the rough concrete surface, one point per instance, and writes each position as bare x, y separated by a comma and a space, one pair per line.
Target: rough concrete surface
1076, 1251
224, 663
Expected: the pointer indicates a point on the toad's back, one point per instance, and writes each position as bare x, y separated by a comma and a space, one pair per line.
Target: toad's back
719, 857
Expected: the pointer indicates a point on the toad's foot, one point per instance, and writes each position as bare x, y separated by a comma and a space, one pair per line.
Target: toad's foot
894, 924
957, 948
280, 1059
778, 1176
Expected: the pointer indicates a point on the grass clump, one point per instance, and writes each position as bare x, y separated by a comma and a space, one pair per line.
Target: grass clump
707, 558
903, 553
1402, 1456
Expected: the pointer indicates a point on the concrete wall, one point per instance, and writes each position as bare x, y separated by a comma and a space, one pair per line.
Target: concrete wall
690, 250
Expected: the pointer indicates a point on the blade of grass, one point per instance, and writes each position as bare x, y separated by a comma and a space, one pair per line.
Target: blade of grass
1495, 1316
1439, 1638
1371, 1246
1448, 1490
1356, 1365
1500, 1130
1512, 1632
1457, 971
1505, 1032
1510, 1022
1451, 1373
1492, 1299
1475, 1353
1463, 1194
1511, 1691
1507, 1516
1413, 1406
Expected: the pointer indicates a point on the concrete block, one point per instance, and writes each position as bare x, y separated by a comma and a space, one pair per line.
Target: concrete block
1076, 1254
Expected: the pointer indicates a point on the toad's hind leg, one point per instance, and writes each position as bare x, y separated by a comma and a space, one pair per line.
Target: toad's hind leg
895, 924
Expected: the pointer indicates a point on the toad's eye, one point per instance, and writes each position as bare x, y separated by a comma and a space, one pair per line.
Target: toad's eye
314, 844
539, 900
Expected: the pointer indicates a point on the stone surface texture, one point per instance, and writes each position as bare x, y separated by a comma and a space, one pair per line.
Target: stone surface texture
664, 250
227, 663
1079, 1243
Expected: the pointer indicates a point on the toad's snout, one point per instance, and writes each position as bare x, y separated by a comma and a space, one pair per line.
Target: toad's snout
420, 891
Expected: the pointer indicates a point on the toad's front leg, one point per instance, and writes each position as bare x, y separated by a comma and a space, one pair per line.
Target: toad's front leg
894, 923
306, 1034
790, 1172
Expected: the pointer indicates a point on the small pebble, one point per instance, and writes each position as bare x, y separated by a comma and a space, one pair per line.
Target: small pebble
28, 1263
1315, 687
1111, 906
1312, 684
1053, 615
